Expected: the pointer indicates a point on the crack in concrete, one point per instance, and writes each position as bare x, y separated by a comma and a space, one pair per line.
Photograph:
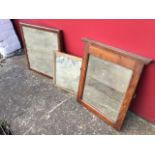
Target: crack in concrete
58, 105
28, 130
54, 108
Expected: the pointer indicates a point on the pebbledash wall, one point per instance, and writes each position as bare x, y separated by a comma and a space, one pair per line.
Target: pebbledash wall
136, 36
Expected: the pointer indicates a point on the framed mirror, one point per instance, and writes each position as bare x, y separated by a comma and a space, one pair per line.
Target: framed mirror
67, 71
108, 80
40, 44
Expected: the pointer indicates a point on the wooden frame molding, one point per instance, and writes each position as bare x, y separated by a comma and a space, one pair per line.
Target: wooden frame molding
44, 29
117, 57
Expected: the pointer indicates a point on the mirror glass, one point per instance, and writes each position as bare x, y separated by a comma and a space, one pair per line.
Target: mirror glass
41, 45
105, 86
67, 71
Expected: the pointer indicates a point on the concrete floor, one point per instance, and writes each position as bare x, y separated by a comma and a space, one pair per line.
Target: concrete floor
33, 105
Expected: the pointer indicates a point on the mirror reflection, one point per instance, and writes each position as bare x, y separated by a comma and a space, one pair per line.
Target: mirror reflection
105, 86
40, 49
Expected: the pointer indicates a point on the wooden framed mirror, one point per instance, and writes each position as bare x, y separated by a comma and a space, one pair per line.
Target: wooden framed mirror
108, 80
40, 44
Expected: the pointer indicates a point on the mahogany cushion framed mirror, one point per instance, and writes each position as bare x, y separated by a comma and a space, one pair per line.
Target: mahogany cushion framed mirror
40, 43
108, 80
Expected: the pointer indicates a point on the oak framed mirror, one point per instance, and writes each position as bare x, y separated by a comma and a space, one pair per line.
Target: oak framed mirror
40, 44
108, 80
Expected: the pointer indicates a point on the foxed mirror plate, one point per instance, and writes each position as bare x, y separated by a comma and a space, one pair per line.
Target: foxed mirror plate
41, 45
67, 71
105, 86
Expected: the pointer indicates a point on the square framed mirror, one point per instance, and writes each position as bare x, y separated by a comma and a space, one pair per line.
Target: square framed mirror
108, 80
40, 44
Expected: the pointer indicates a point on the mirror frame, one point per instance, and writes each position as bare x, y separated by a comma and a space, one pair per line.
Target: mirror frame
119, 57
52, 30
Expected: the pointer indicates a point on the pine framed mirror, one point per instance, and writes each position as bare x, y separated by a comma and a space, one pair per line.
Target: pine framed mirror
108, 80
40, 44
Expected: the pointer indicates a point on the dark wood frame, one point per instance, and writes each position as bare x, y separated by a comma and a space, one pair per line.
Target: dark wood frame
116, 56
59, 37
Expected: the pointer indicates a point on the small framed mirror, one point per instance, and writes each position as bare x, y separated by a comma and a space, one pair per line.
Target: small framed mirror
108, 80
40, 44
67, 71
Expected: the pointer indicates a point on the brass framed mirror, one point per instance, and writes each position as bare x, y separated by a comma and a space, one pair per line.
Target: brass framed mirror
108, 80
40, 44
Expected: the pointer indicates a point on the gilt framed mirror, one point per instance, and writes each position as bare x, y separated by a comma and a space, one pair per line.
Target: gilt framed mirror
40, 44
108, 80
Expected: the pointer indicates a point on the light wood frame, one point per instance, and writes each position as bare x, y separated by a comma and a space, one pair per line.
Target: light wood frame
52, 30
68, 56
116, 56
